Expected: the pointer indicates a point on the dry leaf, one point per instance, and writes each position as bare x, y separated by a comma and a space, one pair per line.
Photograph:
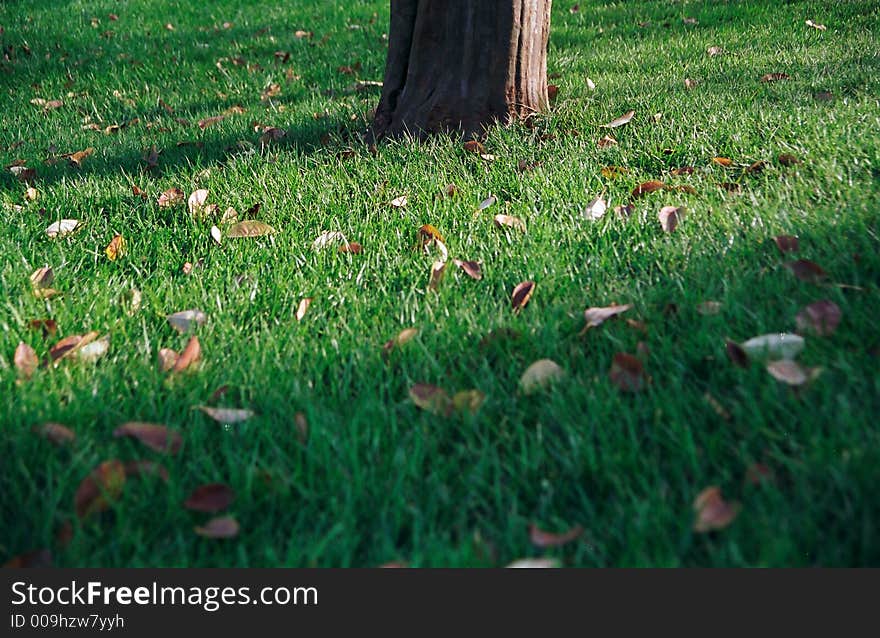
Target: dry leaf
91, 352
806, 270
787, 243
185, 320
212, 497
627, 373
55, 433
540, 375
328, 238
249, 228
736, 354
614, 172
216, 235
646, 188
68, 346
62, 227
788, 160
156, 437
788, 371
25, 360
669, 217
351, 248
303, 308
190, 355
471, 268
591, 85
438, 268
541, 538
404, 336
116, 248
473, 146
511, 222
31, 194
712, 511
399, 202
820, 318
722, 161
220, 527
774, 77
486, 203
226, 415
597, 316
815, 25
468, 401
689, 83
777, 345
100, 488
196, 202
714, 50
606, 142
620, 121
167, 359
428, 235
595, 209
521, 295
431, 399
42, 277
209, 121
171, 197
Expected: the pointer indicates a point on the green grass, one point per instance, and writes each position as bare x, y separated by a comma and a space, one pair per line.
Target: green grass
378, 479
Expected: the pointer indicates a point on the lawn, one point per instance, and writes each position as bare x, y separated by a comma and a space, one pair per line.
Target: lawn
338, 464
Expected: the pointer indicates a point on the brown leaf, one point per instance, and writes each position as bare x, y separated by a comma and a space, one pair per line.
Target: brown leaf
156, 437
627, 373
249, 228
115, 248
303, 308
208, 121
220, 527
787, 243
352, 248
541, 538
404, 336
722, 161
712, 511
624, 210
606, 142
521, 295
68, 346
620, 121
431, 399
788, 160
552, 91
596, 316
55, 433
646, 188
25, 359
48, 326
736, 354
171, 197
472, 269
820, 318
473, 146
42, 277
683, 170
438, 269
774, 77
212, 497
427, 234
806, 270
100, 488
669, 217
190, 355
167, 359
789, 372
510, 221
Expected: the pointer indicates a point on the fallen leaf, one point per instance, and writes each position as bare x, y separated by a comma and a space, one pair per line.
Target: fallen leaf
815, 25
736, 354
787, 243
68, 346
591, 85
212, 497
689, 83
774, 77
541, 538
48, 326
352, 248
62, 227
328, 238
196, 202
777, 345
509, 221
100, 488
596, 316
249, 228
438, 268
226, 415
606, 142
806, 270
91, 352
468, 401
471, 268
683, 170
521, 295
216, 235
614, 172
167, 359
535, 563
431, 399
714, 50
819, 318
627, 373
185, 320
428, 234
76, 159
399, 202
646, 188
473, 146
55, 433
712, 511
116, 248
540, 375
722, 161
209, 121
31, 194
486, 203
669, 217
404, 336
171, 197
620, 121
220, 527
42, 277
303, 308
788, 371
624, 210
25, 360
156, 437
788, 160
190, 355
595, 209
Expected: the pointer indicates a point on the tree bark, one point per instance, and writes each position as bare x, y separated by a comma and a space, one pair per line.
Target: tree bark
461, 65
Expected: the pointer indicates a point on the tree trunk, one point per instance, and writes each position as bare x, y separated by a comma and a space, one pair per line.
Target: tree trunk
460, 65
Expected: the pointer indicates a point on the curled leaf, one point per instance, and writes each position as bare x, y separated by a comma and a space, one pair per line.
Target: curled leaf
116, 248
669, 217
521, 295
190, 355
167, 359
620, 121
541, 538
646, 188
303, 308
472, 269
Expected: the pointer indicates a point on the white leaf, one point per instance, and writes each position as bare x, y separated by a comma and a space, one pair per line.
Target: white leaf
93, 351
226, 415
595, 209
62, 227
197, 201
185, 319
778, 345
329, 238
215, 235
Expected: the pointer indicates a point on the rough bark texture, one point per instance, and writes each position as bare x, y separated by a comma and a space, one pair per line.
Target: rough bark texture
462, 65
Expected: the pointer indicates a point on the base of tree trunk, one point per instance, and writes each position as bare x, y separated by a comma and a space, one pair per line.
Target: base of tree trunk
462, 65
